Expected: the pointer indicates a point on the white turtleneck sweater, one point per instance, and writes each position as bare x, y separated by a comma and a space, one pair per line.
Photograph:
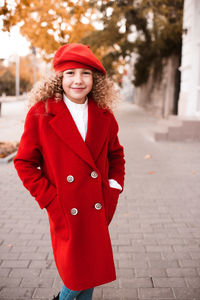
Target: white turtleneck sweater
79, 114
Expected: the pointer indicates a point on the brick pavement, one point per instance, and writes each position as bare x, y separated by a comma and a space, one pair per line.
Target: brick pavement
155, 232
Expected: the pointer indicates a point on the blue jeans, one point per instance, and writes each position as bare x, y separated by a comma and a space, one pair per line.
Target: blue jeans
67, 294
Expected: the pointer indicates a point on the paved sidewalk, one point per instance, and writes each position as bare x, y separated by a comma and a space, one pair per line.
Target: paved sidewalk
12, 120
155, 232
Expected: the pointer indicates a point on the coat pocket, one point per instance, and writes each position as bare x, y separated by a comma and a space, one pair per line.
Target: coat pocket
111, 196
57, 220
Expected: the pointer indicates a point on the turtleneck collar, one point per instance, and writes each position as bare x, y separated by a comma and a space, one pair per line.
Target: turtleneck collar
74, 105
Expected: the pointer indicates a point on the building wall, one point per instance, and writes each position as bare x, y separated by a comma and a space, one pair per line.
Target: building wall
189, 98
159, 96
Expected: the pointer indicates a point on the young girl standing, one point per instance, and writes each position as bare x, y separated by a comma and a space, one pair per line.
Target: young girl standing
71, 161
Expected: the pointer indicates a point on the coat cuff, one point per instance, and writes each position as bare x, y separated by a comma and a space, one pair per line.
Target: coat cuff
114, 184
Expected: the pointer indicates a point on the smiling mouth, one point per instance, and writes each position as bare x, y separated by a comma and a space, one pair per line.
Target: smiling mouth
77, 88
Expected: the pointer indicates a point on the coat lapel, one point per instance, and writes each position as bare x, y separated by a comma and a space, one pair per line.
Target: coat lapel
97, 129
65, 127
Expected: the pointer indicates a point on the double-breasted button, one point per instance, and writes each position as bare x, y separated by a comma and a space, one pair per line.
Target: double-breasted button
94, 174
74, 211
98, 206
70, 178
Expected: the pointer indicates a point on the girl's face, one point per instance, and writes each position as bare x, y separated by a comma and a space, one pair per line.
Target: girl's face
77, 83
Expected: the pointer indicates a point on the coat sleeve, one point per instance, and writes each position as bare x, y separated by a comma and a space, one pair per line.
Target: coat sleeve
116, 155
29, 159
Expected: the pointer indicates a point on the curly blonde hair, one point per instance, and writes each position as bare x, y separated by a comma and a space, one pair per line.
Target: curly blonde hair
103, 92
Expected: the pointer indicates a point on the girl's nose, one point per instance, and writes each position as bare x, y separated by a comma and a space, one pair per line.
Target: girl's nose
78, 78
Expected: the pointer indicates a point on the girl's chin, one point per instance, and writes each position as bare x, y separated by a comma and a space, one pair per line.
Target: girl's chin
78, 99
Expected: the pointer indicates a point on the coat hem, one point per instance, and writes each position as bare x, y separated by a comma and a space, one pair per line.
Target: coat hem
83, 286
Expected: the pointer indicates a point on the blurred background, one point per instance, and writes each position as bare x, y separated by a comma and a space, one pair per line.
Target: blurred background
139, 43
150, 48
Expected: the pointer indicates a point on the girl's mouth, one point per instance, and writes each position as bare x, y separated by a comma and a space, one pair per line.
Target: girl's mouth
77, 88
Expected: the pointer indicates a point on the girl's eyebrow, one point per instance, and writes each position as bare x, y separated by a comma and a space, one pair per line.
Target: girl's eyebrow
74, 69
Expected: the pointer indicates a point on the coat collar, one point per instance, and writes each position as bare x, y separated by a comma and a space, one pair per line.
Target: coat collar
65, 127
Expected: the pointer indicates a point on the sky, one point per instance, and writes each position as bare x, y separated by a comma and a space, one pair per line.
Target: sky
13, 43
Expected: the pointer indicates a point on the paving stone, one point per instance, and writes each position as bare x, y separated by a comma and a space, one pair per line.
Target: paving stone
150, 272
45, 249
159, 249
187, 292
189, 262
156, 293
147, 256
23, 293
48, 273
175, 255
4, 272
144, 241
15, 264
126, 249
9, 282
113, 293
128, 294
132, 263
57, 282
37, 282
123, 256
33, 256
135, 282
10, 256
32, 236
169, 282
41, 293
181, 272
163, 263
26, 273
170, 241
193, 282
125, 273
194, 255
39, 243
124, 241
36, 264
138, 249
186, 248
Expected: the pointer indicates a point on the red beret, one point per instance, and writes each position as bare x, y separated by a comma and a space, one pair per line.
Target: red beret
71, 56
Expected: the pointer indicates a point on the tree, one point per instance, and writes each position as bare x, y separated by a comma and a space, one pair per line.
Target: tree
7, 83
157, 29
7, 76
156, 26
47, 23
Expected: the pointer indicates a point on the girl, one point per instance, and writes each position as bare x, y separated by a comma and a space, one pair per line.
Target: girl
71, 161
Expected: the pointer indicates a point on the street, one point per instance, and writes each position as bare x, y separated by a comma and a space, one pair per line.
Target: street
155, 232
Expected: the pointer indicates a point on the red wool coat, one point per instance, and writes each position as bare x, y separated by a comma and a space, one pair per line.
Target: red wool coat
69, 177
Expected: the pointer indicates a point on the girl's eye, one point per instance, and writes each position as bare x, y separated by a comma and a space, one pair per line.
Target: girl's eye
69, 72
87, 72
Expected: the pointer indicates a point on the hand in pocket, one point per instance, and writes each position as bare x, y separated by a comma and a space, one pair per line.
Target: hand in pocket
57, 219
111, 196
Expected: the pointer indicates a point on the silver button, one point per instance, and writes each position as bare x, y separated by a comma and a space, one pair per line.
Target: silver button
74, 211
70, 178
98, 206
94, 174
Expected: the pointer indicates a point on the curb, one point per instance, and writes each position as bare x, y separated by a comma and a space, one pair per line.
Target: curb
8, 158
